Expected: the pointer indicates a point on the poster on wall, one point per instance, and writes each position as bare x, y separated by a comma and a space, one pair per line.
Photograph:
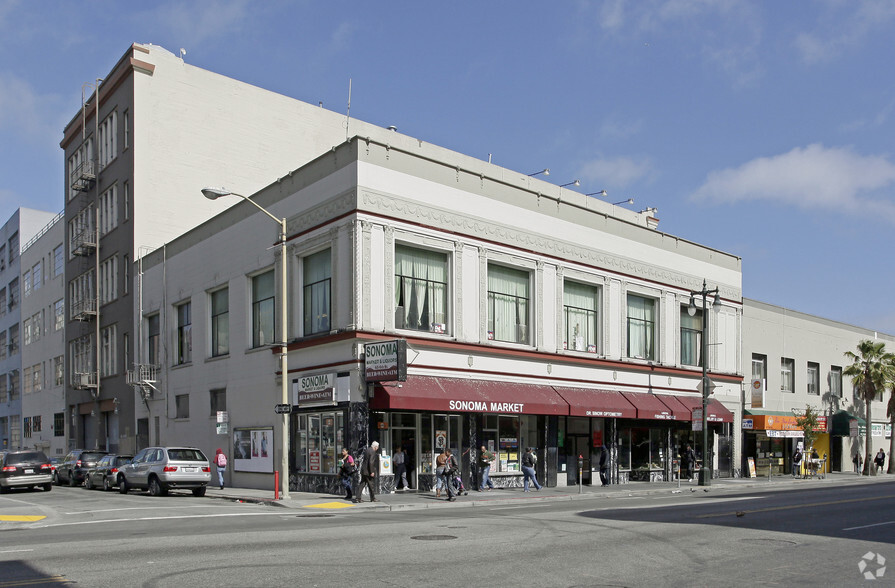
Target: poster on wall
440, 440
253, 449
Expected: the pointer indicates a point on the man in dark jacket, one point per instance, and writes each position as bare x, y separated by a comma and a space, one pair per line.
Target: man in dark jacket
604, 466
369, 469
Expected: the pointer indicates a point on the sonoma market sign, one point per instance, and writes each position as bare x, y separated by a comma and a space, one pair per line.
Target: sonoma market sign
316, 389
385, 361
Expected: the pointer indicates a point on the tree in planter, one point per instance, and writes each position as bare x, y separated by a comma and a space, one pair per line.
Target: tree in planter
808, 423
872, 371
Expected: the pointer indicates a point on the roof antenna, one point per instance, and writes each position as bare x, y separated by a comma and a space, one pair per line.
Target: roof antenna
348, 114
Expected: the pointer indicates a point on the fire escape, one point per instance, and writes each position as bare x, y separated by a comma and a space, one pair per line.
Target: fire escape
84, 298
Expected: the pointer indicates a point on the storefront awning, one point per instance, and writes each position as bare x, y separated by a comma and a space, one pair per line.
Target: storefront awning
462, 395
680, 412
842, 424
718, 413
597, 403
649, 406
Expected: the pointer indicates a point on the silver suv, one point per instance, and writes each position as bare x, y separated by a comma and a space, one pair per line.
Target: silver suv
159, 469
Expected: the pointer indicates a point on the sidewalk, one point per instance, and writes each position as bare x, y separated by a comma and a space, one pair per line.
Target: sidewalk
414, 500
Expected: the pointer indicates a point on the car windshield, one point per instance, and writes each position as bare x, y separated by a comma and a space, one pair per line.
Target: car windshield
26, 457
186, 455
88, 456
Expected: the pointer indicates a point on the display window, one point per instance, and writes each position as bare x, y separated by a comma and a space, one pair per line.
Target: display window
318, 440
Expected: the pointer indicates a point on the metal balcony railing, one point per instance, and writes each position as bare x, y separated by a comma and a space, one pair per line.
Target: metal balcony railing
142, 374
82, 310
83, 380
83, 176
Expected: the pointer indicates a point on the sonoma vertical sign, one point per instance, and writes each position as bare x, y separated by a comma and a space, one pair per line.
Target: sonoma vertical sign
385, 361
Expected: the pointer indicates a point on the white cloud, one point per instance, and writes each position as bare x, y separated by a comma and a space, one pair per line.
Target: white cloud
26, 113
616, 172
844, 25
810, 178
200, 21
616, 127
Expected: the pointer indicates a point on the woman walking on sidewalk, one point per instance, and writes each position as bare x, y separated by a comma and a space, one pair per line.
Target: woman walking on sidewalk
220, 461
528, 469
347, 470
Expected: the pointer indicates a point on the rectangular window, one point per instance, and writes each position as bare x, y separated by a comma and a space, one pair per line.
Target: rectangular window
36, 327
82, 355
127, 200
59, 314
59, 424
107, 142
27, 427
508, 299
13, 385
125, 351
836, 381
2, 301
316, 309
37, 275
263, 311
152, 339
786, 375
182, 402
58, 370
3, 257
125, 284
26, 330
759, 367
220, 322
641, 327
108, 210
109, 351
108, 274
36, 424
813, 378
13, 339
13, 294
37, 377
691, 336
580, 317
218, 400
26, 283
3, 346
184, 333
14, 247
318, 440
28, 381
58, 261
127, 130
421, 280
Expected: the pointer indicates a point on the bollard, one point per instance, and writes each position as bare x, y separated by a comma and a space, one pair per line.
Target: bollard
276, 485
580, 472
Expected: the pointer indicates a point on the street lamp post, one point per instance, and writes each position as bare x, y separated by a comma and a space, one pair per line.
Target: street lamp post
213, 194
705, 472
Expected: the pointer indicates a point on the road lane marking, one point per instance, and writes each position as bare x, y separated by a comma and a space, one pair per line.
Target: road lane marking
174, 518
794, 506
22, 518
144, 508
16, 550
521, 506
867, 526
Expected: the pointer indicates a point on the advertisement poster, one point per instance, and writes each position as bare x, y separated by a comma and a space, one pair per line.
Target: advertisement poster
253, 450
440, 440
314, 460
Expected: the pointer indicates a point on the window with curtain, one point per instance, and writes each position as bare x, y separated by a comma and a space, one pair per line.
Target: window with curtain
835, 381
508, 298
691, 337
813, 378
420, 289
220, 322
787, 383
263, 311
580, 326
641, 327
317, 277
184, 333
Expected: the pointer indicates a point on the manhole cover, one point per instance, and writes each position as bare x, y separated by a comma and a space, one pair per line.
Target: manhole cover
434, 537
761, 541
310, 516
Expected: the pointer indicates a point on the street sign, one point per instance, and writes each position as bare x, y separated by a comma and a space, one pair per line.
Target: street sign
697, 419
282, 408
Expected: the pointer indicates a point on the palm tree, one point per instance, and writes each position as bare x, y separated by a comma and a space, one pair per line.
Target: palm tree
871, 372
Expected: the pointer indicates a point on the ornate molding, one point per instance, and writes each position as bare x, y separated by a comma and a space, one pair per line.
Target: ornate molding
321, 213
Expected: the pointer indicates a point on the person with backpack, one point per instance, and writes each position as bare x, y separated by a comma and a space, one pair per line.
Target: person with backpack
220, 460
347, 470
528, 469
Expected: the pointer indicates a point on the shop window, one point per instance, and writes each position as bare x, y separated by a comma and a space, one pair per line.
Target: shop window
641, 327
263, 313
508, 300
691, 337
317, 292
318, 441
580, 317
420, 289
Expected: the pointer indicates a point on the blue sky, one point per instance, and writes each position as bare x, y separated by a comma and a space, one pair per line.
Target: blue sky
762, 129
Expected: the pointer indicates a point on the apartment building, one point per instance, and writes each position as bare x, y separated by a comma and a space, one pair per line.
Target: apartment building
532, 315
16, 282
43, 340
147, 137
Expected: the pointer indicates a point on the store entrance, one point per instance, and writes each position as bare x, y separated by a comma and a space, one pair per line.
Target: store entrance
406, 439
580, 445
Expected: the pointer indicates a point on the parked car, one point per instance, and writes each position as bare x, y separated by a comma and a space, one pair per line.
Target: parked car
105, 473
54, 463
75, 465
159, 469
25, 469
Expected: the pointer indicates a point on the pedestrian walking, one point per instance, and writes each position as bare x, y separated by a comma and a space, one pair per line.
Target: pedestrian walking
485, 459
439, 472
369, 469
400, 461
880, 460
220, 461
347, 471
448, 472
857, 461
690, 462
604, 465
528, 469
796, 462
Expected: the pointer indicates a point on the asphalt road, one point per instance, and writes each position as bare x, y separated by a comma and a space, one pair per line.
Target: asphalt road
715, 538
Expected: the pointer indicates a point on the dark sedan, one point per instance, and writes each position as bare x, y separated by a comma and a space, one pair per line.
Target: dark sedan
105, 474
20, 469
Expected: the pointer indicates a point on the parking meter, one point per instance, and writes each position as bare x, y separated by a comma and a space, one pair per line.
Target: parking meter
580, 472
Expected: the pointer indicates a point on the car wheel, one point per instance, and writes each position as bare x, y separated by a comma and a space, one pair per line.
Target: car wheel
71, 479
3, 489
47, 487
106, 485
122, 485
156, 488
199, 491
87, 483
55, 478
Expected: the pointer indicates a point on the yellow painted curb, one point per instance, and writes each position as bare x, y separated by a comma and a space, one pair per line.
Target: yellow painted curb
21, 518
328, 505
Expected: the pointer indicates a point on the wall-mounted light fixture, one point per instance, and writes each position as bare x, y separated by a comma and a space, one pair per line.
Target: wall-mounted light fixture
572, 183
600, 193
628, 201
545, 171
649, 210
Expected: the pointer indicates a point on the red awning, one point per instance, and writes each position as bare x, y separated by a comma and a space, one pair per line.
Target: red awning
717, 411
597, 403
649, 406
462, 395
680, 412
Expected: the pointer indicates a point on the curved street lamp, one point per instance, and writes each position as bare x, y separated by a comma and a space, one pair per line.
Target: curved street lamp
214, 194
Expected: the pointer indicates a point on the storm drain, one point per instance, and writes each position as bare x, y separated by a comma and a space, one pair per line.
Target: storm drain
434, 537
